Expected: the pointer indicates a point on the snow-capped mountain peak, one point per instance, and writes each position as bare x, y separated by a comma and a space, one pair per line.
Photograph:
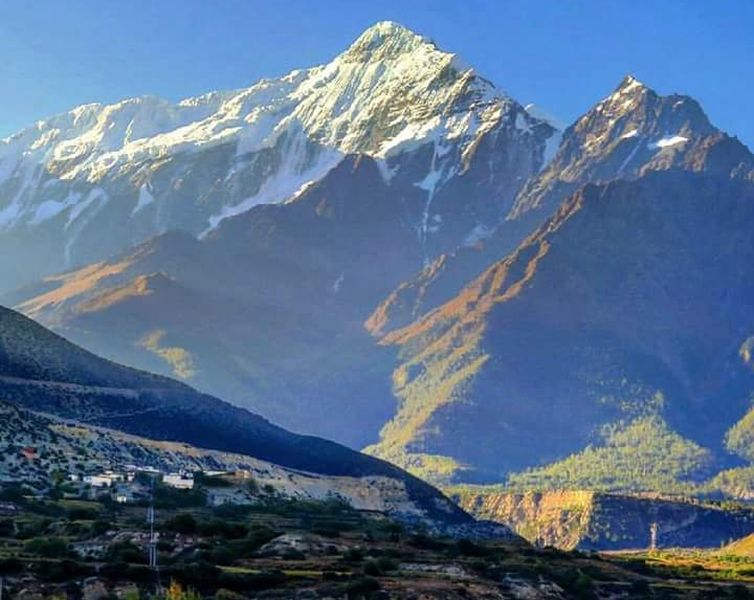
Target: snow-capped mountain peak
631, 131
194, 163
387, 38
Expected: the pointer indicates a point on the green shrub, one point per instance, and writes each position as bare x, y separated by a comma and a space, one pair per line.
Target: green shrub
48, 547
361, 588
182, 523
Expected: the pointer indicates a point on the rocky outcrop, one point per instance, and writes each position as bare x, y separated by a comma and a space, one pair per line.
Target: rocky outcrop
595, 521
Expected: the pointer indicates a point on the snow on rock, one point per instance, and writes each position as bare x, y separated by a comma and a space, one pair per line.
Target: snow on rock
669, 141
393, 96
478, 234
145, 199
553, 142
390, 92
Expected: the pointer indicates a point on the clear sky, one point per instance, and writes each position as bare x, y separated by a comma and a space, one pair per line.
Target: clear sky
562, 55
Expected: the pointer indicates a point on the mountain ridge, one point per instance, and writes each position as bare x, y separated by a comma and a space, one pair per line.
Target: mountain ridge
630, 132
302, 307
150, 166
461, 352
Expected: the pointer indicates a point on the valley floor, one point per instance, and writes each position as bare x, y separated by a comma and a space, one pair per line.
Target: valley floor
287, 549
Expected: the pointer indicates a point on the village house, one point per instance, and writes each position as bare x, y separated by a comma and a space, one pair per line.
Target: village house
106, 479
179, 480
128, 493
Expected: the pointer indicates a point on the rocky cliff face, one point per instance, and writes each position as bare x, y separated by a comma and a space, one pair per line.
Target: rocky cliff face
631, 132
595, 521
83, 185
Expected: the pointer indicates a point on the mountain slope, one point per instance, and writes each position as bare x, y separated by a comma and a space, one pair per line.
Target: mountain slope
64, 446
251, 311
632, 302
267, 309
88, 183
631, 132
43, 373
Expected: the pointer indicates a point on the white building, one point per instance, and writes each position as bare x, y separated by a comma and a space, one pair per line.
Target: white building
179, 480
106, 479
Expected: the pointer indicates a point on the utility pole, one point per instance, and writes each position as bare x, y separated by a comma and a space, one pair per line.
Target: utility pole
152, 543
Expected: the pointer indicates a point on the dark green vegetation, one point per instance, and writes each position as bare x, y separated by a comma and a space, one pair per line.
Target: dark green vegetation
283, 548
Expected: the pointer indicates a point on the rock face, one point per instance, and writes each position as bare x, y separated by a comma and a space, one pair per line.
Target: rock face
42, 373
596, 521
88, 183
631, 132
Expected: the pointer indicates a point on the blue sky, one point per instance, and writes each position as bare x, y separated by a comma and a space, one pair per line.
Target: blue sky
562, 55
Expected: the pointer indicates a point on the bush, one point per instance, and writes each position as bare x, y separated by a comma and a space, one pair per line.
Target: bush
221, 555
223, 529
63, 570
125, 572
82, 514
359, 589
183, 523
641, 588
372, 568
468, 548
49, 547
10, 566
353, 555
739, 592
424, 542
225, 594
379, 567
246, 582
579, 584
171, 498
100, 526
125, 552
200, 574
7, 528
